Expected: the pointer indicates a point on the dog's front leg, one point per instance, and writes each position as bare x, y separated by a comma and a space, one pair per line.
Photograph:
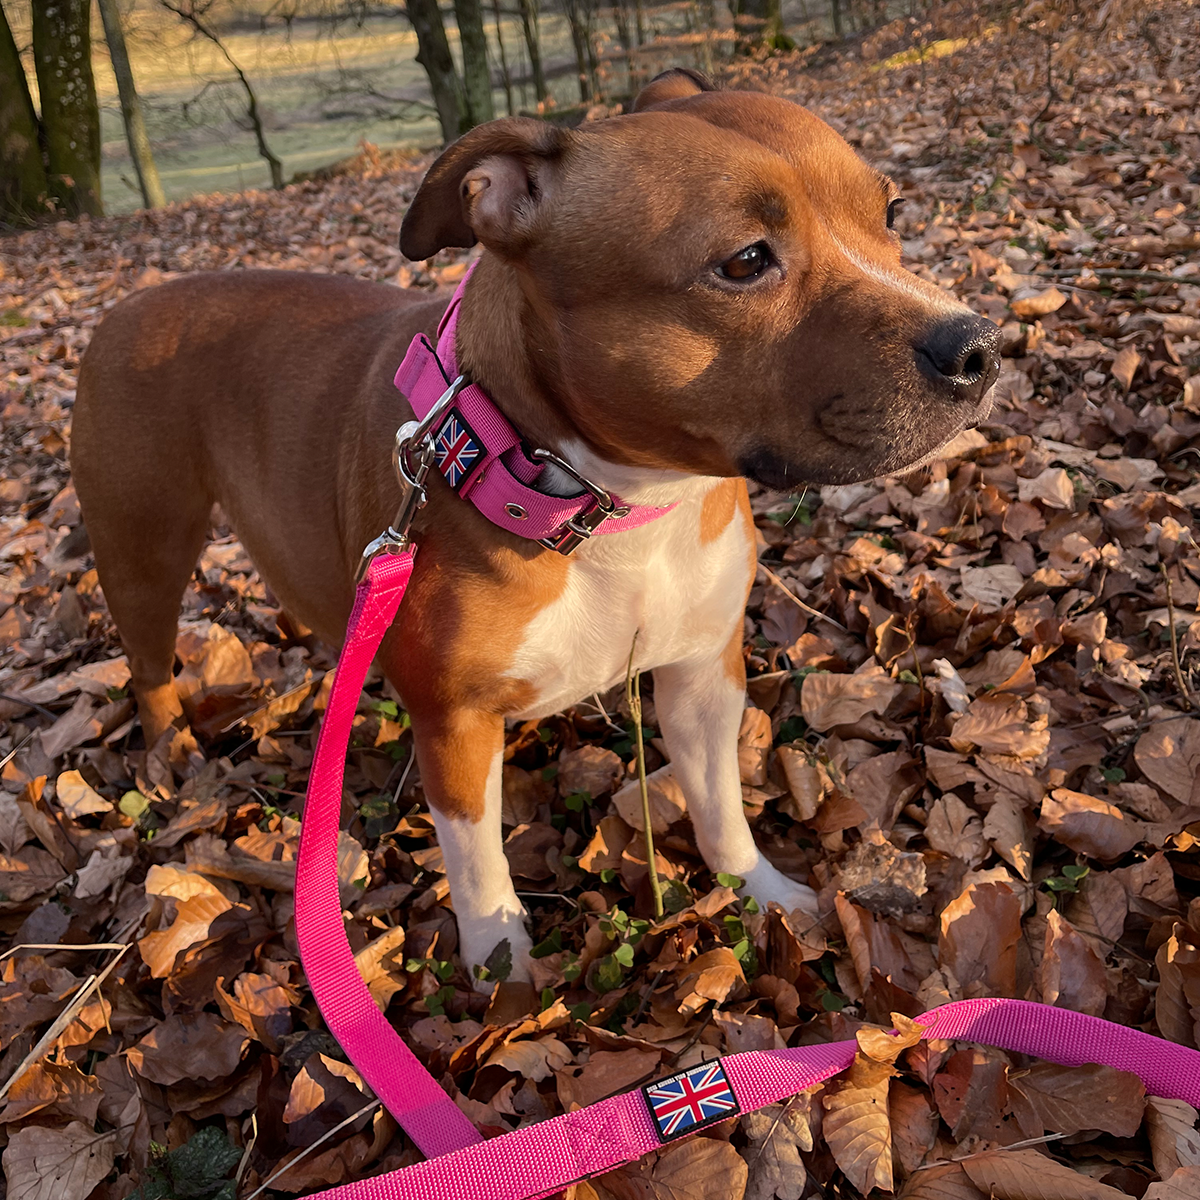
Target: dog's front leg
699, 706
460, 753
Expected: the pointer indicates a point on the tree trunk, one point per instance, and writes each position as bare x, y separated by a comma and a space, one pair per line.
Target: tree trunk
529, 26
23, 186
505, 73
477, 75
433, 53
131, 108
196, 21
835, 11
62, 55
577, 19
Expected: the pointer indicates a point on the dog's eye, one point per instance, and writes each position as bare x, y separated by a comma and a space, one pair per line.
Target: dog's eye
749, 263
893, 207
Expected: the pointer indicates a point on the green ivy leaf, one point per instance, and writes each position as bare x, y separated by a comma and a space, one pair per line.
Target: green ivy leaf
730, 881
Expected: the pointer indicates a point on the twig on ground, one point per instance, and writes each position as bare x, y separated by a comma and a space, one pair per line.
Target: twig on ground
63, 1020
1180, 683
1121, 273
633, 695
808, 608
362, 1112
63, 946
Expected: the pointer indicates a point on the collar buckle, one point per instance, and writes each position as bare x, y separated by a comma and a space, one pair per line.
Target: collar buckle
580, 527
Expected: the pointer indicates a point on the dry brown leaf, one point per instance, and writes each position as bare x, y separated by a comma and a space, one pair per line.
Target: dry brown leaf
1184, 1184
531, 1060
693, 1169
1029, 1175
608, 843
189, 1046
1168, 753
953, 829
1177, 999
777, 1134
1033, 302
980, 930
1072, 974
29, 872
1089, 825
1174, 1139
76, 798
714, 976
193, 919
1004, 826
667, 803
57, 1164
856, 1126
914, 1122
1093, 1096
1125, 366
1000, 724
591, 769
945, 1181
828, 700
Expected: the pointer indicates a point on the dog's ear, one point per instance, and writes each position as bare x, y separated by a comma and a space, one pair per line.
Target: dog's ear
676, 84
485, 187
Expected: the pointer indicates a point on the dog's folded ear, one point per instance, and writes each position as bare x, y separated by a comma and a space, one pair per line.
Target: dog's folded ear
485, 187
676, 84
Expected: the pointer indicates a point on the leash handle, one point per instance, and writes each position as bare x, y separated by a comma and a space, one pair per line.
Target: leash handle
434, 1122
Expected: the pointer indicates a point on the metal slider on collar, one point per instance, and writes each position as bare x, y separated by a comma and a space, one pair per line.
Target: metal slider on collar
581, 526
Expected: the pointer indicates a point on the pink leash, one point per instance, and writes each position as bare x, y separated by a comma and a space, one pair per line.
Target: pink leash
541, 1159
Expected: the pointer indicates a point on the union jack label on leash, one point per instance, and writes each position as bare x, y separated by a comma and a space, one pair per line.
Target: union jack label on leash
690, 1100
457, 449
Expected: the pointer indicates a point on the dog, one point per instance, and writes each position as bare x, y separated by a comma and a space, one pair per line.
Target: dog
703, 290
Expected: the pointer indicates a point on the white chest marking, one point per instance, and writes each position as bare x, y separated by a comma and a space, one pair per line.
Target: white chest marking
682, 598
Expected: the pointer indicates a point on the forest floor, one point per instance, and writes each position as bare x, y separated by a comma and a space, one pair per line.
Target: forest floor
975, 736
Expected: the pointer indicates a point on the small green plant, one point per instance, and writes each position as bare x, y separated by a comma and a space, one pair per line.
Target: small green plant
1066, 884
197, 1170
628, 932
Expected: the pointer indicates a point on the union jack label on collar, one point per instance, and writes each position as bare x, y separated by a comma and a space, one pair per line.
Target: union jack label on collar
690, 1100
457, 449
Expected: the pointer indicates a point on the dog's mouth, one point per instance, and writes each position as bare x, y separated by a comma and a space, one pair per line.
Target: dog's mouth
779, 473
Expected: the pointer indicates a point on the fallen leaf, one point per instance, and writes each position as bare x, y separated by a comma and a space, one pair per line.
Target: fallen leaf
980, 930
828, 700
1092, 1096
1030, 1175
778, 1133
57, 1164
1174, 1139
1168, 754
1125, 366
76, 798
667, 802
1089, 825
1183, 1184
856, 1126
189, 1046
953, 829
1072, 974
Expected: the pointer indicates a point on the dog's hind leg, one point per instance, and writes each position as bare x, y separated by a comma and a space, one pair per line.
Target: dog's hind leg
147, 512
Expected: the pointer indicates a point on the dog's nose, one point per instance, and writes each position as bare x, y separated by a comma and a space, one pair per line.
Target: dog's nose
963, 352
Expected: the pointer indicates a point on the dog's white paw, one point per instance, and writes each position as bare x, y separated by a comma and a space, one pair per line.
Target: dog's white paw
770, 886
480, 941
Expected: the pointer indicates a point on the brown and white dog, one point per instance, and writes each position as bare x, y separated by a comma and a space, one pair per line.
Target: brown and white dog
705, 289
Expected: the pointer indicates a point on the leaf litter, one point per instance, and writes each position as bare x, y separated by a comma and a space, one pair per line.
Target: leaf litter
972, 725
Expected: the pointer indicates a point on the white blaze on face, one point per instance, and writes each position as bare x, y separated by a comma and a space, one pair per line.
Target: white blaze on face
901, 281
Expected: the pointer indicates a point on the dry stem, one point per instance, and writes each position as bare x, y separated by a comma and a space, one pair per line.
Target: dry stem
634, 696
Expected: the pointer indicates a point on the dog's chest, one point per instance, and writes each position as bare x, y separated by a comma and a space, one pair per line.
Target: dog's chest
677, 583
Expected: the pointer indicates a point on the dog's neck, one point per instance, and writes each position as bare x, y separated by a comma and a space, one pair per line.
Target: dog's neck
511, 350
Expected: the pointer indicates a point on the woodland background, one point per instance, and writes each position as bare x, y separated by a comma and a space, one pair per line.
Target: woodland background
972, 723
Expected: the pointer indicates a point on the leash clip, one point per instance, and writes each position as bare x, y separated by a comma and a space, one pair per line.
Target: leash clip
413, 455
581, 527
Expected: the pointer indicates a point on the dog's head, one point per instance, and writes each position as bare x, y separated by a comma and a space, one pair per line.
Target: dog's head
717, 286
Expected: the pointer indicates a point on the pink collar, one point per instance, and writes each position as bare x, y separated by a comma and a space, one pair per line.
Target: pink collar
484, 459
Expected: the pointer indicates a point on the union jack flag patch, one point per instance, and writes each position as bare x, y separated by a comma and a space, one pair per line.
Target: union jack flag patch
456, 449
690, 1100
